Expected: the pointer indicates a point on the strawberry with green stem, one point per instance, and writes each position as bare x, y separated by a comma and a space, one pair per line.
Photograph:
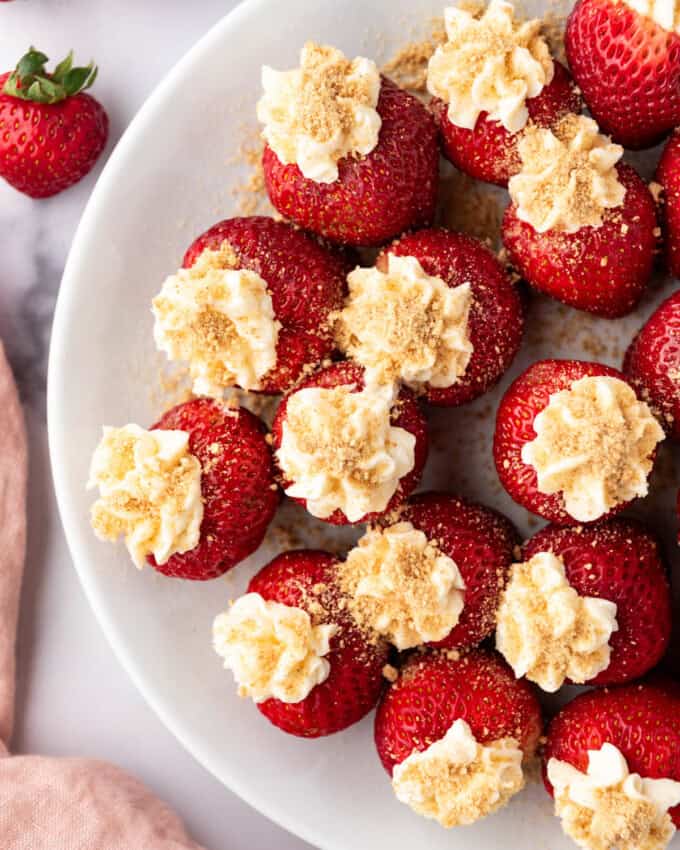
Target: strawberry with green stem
51, 131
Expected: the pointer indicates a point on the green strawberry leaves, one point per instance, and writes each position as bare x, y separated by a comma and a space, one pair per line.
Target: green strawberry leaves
30, 80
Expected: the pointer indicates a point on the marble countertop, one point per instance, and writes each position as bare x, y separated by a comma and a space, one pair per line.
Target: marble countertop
74, 699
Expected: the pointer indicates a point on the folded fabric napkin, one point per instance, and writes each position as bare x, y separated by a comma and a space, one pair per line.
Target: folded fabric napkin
57, 803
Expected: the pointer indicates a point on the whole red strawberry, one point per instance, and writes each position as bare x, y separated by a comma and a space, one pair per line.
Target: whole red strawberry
586, 269
642, 721
526, 398
489, 151
668, 175
652, 363
473, 699
406, 414
496, 319
51, 132
306, 281
237, 486
480, 541
628, 68
620, 561
375, 197
308, 579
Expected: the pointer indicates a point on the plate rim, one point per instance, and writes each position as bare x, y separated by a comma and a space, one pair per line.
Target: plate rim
69, 516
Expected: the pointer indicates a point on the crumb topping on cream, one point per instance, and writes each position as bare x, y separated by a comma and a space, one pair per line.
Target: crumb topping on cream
490, 63
401, 586
608, 807
568, 177
403, 324
665, 13
273, 650
150, 492
220, 319
456, 780
594, 444
341, 452
548, 632
321, 112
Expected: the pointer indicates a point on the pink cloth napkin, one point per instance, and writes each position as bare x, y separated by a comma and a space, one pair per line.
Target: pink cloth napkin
57, 803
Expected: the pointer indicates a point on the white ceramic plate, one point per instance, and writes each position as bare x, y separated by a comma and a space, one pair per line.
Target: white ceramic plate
168, 180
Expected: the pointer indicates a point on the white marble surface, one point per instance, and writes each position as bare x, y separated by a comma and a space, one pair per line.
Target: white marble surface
74, 699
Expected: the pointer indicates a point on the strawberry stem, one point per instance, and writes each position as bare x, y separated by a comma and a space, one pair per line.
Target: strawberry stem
31, 81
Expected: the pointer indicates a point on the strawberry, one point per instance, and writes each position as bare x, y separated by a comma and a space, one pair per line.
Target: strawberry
376, 197
496, 320
527, 397
603, 270
307, 579
237, 486
306, 281
668, 175
51, 132
489, 151
640, 720
621, 561
406, 414
480, 541
652, 363
439, 695
628, 68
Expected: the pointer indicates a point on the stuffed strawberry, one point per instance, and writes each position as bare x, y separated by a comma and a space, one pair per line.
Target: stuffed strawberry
193, 496
652, 364
625, 57
668, 176
350, 452
51, 132
612, 763
348, 154
251, 306
573, 443
485, 96
438, 312
433, 575
453, 733
581, 227
296, 651
589, 605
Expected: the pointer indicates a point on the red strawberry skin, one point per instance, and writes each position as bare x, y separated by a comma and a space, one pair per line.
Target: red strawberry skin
306, 280
652, 364
628, 68
355, 680
496, 321
621, 561
602, 270
376, 197
481, 542
489, 151
239, 493
526, 397
407, 414
668, 175
641, 720
45, 148
433, 691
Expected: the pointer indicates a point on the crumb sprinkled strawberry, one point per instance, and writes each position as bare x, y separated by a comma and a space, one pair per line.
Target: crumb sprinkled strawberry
352, 680
652, 364
620, 561
373, 455
452, 731
376, 196
596, 443
51, 132
668, 177
628, 68
305, 282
